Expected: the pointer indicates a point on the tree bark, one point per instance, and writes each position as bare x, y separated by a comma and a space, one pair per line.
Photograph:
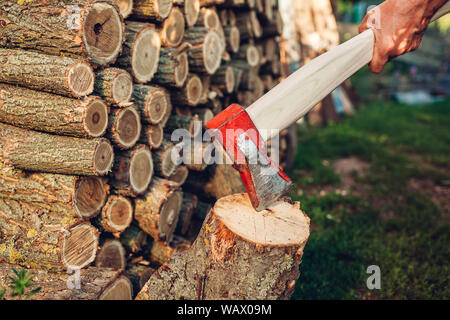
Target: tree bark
116, 215
153, 10
111, 255
153, 102
79, 28
191, 92
157, 211
229, 260
173, 67
115, 86
34, 237
207, 49
36, 110
61, 75
35, 151
125, 127
140, 52
172, 30
95, 284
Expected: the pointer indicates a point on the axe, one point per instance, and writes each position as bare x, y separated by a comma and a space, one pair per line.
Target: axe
243, 131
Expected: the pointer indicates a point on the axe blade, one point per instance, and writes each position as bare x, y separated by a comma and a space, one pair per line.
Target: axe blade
264, 181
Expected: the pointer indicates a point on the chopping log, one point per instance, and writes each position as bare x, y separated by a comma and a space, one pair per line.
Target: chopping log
95, 284
35, 151
268, 254
111, 255
153, 103
95, 31
173, 67
191, 92
172, 30
207, 49
116, 215
61, 75
115, 86
41, 111
133, 171
124, 127
153, 10
157, 211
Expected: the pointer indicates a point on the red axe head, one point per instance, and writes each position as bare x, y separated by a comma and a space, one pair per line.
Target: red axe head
264, 181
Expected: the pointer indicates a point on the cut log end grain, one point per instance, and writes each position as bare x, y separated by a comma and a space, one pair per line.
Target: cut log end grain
90, 196
191, 11
125, 7
252, 55
80, 79
111, 255
117, 214
181, 69
169, 215
103, 157
233, 37
141, 169
145, 54
153, 102
102, 33
153, 135
126, 128
193, 90
212, 52
122, 89
79, 246
121, 289
95, 122
172, 31
180, 175
155, 10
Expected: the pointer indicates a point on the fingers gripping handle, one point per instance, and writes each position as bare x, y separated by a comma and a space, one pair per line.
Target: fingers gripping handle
302, 90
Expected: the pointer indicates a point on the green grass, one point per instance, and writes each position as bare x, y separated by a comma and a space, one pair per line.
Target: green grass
349, 233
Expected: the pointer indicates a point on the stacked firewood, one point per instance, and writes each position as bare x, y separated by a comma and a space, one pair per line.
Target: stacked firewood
90, 170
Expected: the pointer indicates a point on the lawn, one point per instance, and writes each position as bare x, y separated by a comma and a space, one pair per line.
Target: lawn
377, 189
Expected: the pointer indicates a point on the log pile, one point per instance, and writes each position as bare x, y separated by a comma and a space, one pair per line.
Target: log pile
92, 168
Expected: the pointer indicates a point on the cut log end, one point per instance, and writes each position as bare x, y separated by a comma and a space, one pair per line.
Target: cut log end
90, 196
180, 175
95, 122
121, 289
122, 89
229, 79
128, 127
281, 225
103, 157
168, 216
145, 54
102, 33
212, 52
141, 169
163, 7
79, 246
191, 11
234, 39
194, 89
117, 213
253, 56
154, 136
182, 69
80, 79
157, 106
125, 7
172, 32
111, 255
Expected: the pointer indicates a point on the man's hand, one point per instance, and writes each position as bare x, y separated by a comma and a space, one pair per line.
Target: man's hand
398, 26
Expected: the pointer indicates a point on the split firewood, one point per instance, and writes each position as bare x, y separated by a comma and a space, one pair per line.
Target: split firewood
152, 135
111, 255
173, 66
191, 9
187, 211
116, 215
139, 275
125, 127
172, 30
166, 159
192, 125
134, 239
79, 28
161, 252
39, 238
268, 254
206, 52
179, 175
153, 10
191, 92
61, 75
93, 284
115, 86
140, 52
80, 197
35, 151
224, 79
133, 171
153, 103
41, 111
157, 211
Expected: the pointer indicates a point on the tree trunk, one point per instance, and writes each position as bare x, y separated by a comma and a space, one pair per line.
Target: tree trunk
172, 29
207, 49
230, 260
157, 211
153, 103
140, 52
73, 28
153, 10
111, 255
125, 127
117, 215
61, 75
35, 237
173, 67
35, 151
152, 135
191, 92
36, 110
115, 86
187, 211
95, 284
133, 171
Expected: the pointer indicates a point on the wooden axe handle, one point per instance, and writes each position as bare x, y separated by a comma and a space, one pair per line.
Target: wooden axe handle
302, 90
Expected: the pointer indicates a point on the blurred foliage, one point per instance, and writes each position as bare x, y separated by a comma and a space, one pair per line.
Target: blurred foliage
20, 283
